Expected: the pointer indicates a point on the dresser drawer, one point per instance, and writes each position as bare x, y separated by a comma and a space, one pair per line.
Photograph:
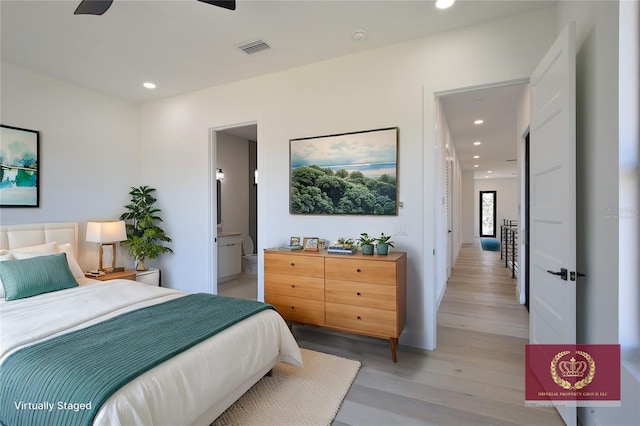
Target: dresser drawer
361, 294
377, 322
293, 285
298, 310
308, 266
361, 270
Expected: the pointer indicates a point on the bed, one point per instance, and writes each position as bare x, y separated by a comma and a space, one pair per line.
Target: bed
193, 387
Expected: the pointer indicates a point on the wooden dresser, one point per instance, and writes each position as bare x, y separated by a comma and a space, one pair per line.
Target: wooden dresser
354, 293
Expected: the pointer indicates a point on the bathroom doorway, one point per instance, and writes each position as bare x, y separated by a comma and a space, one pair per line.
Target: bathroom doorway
237, 230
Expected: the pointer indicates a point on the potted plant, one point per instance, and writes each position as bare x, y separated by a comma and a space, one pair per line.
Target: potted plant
366, 243
145, 237
383, 244
347, 244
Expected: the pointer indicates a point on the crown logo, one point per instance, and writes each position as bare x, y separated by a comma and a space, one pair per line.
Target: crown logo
572, 368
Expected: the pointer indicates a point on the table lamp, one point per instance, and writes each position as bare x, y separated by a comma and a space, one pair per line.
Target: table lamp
107, 233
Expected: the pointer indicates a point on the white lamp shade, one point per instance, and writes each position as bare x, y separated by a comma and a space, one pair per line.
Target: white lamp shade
106, 232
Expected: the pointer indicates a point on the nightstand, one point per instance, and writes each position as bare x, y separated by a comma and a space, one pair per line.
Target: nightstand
127, 274
151, 276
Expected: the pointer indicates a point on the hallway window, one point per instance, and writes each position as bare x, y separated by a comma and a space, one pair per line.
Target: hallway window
488, 213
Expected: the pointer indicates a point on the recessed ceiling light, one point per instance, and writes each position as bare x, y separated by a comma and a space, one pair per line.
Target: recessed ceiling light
149, 85
489, 171
476, 156
358, 35
478, 122
486, 177
444, 4
477, 143
476, 165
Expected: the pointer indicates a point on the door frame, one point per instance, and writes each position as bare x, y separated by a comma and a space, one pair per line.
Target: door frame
433, 255
212, 270
495, 213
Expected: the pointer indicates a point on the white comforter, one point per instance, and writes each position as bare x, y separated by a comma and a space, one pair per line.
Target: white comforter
179, 391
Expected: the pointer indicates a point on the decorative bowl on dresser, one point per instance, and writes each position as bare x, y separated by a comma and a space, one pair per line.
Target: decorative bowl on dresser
357, 294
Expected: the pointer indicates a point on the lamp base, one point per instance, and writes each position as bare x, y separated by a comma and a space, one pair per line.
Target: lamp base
112, 270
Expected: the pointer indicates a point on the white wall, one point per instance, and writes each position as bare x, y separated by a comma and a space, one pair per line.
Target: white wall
449, 230
598, 184
89, 152
629, 158
233, 159
443, 256
392, 86
468, 207
507, 196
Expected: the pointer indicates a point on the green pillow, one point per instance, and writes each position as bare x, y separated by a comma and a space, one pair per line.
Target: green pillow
30, 277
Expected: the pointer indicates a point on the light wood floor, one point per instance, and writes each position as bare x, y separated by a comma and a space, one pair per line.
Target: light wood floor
474, 377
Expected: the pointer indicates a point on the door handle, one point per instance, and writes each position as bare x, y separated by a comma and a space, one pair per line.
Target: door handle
562, 274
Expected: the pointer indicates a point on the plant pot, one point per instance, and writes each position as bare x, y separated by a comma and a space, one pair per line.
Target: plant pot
382, 249
140, 266
367, 249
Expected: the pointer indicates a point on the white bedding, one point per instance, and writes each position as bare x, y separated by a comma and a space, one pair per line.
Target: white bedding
193, 387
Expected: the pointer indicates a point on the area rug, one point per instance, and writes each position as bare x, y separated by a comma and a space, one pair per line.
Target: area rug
296, 396
490, 244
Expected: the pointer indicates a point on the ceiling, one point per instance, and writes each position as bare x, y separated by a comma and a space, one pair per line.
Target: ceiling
187, 45
497, 107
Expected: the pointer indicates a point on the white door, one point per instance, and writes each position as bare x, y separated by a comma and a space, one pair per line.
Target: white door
553, 198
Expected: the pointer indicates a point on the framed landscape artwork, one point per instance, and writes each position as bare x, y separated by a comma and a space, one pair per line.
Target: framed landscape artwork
19, 176
347, 174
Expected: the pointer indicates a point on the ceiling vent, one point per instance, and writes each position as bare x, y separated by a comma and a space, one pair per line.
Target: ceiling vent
253, 47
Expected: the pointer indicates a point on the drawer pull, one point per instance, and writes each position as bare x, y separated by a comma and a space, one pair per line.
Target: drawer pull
358, 317
293, 286
293, 264
358, 270
358, 294
293, 307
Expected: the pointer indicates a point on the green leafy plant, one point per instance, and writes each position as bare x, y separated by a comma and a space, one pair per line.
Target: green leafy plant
346, 242
145, 238
366, 240
385, 239
366, 243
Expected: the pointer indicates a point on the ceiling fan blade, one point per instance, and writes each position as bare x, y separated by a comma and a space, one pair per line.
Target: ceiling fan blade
93, 7
227, 4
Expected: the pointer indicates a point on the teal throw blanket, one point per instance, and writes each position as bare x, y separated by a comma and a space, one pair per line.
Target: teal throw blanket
66, 379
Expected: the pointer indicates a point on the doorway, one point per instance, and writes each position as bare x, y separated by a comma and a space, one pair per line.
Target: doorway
480, 125
488, 213
233, 163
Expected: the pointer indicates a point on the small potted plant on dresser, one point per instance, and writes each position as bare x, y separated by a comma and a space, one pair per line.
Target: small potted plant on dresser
366, 243
383, 242
145, 237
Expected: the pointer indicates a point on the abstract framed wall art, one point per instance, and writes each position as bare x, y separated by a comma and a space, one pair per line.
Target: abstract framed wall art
346, 174
19, 174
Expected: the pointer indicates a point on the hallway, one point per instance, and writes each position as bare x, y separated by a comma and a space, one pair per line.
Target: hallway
483, 330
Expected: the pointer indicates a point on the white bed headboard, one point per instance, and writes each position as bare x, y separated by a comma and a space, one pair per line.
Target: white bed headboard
15, 236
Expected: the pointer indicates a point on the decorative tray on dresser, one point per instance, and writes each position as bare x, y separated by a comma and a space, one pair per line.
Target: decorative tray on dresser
355, 293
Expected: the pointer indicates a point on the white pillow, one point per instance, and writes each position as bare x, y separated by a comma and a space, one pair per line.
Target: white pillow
76, 270
20, 254
5, 255
48, 247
